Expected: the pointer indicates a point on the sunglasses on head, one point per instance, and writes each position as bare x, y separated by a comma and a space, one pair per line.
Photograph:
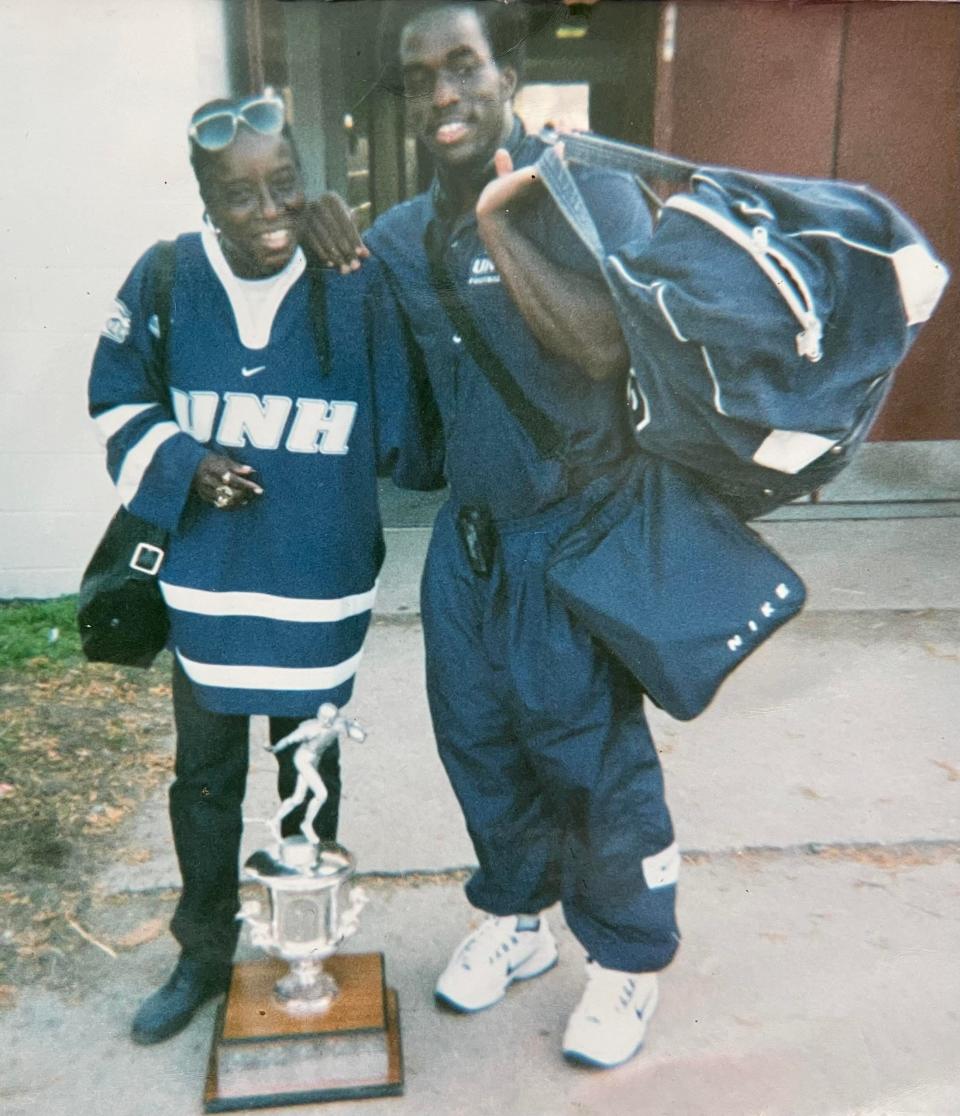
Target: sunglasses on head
215, 128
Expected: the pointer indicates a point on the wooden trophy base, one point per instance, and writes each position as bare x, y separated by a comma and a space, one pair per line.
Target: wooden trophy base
265, 1055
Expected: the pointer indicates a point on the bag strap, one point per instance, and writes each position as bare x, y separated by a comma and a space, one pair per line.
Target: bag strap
317, 301
644, 162
547, 438
598, 151
163, 272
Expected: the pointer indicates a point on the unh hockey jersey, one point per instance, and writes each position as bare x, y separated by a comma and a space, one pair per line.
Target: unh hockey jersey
269, 603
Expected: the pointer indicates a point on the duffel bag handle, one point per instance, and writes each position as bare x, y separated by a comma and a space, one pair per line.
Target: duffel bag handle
597, 151
645, 163
556, 176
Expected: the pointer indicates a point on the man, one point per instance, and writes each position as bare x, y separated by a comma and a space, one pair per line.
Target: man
541, 732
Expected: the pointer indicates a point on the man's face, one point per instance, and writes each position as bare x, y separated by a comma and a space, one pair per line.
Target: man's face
460, 100
255, 198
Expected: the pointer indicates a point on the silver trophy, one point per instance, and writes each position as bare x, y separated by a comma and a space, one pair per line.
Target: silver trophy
309, 914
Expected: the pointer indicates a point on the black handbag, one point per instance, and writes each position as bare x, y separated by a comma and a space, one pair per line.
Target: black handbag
659, 571
120, 611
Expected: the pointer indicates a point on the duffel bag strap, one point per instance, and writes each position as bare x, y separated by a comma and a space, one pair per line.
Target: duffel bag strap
645, 163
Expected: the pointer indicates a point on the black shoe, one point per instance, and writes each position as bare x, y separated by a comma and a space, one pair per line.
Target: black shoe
172, 1007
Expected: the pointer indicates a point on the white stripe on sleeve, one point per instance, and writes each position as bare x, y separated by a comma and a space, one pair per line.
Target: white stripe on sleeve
138, 459
113, 420
267, 606
269, 678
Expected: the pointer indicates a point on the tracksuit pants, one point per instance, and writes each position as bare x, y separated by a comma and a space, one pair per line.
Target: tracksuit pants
206, 800
544, 739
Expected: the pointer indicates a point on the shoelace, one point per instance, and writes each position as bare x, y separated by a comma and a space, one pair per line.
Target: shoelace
607, 992
490, 933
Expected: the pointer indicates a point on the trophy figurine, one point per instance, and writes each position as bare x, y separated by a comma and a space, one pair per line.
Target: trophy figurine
304, 1023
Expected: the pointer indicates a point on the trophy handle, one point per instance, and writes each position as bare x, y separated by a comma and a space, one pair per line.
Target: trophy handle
350, 919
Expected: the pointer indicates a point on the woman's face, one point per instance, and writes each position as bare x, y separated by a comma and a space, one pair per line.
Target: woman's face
254, 196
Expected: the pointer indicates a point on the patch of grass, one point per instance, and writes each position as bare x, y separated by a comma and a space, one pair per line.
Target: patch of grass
39, 633
81, 745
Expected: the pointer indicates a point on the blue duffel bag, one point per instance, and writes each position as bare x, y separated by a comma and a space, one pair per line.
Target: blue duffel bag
672, 583
765, 316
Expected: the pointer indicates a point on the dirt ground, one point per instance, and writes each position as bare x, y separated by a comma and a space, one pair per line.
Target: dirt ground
81, 745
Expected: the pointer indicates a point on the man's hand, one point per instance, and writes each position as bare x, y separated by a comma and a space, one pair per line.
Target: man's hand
225, 483
509, 189
330, 233
570, 314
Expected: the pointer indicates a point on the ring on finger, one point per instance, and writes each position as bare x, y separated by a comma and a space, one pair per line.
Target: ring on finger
223, 495
225, 477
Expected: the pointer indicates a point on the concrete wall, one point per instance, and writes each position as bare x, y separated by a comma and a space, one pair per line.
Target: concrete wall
92, 134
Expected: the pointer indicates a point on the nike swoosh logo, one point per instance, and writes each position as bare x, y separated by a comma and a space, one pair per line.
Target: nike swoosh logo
252, 371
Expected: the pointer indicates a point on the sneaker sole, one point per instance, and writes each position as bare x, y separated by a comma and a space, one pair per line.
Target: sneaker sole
585, 1061
576, 1058
461, 1009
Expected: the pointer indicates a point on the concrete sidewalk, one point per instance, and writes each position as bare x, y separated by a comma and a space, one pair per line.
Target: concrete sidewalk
818, 804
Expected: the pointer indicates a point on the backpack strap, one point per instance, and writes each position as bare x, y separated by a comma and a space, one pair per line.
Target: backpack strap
317, 301
163, 267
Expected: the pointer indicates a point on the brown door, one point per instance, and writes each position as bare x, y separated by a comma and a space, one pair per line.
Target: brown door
863, 91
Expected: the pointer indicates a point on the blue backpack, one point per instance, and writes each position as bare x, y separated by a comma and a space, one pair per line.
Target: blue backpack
765, 316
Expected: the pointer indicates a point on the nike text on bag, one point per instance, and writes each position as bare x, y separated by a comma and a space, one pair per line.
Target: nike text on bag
764, 317
673, 584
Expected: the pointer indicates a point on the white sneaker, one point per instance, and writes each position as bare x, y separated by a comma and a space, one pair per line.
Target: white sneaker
608, 1025
490, 959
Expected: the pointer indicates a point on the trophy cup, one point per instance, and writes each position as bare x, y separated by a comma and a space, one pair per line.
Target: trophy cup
304, 1023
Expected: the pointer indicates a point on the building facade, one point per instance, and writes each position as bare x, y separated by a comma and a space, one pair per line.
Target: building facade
97, 170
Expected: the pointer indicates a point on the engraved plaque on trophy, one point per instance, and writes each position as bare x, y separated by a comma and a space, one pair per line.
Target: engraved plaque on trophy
305, 1024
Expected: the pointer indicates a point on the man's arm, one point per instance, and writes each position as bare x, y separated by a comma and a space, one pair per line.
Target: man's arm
330, 232
570, 314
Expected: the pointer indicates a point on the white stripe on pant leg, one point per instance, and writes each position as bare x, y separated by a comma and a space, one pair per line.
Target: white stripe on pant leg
230, 677
138, 459
663, 868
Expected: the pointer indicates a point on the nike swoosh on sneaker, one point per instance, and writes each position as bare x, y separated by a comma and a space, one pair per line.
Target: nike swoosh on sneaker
252, 371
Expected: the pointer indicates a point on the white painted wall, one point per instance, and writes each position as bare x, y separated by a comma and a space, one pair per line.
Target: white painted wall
93, 169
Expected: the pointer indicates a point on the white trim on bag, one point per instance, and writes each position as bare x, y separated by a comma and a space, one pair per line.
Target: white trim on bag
267, 606
758, 248
717, 401
789, 451
269, 678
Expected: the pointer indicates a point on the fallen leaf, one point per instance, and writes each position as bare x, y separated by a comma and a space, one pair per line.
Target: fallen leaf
8, 997
146, 932
136, 856
953, 773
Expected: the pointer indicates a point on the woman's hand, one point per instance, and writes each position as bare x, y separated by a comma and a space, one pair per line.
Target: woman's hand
224, 483
329, 231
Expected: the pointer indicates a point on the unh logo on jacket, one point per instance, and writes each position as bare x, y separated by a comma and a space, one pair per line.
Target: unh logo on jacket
482, 271
310, 425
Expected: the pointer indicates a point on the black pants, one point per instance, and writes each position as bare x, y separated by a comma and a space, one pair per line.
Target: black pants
206, 801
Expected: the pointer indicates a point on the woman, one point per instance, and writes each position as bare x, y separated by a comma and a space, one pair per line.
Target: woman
288, 388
